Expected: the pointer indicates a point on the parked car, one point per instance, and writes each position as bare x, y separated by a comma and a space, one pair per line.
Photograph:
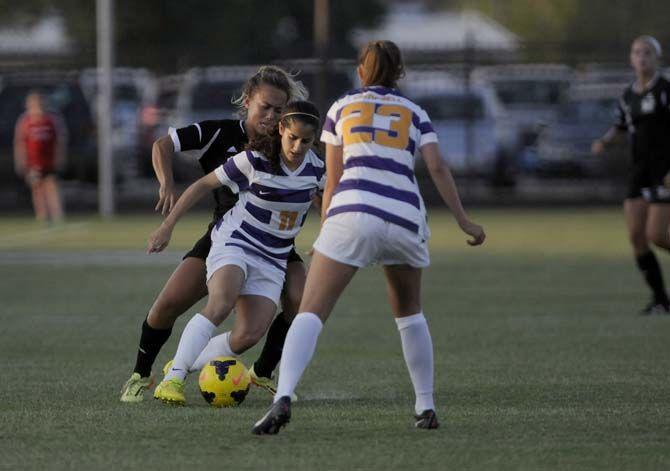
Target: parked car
530, 96
64, 95
564, 147
465, 120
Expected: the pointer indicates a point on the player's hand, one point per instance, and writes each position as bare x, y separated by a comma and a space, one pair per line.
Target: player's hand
166, 199
597, 147
159, 239
475, 231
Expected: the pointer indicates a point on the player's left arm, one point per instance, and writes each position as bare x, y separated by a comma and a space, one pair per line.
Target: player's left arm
160, 238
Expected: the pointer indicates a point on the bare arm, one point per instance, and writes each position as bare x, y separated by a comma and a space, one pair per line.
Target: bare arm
61, 144
160, 238
162, 154
612, 134
444, 181
334, 170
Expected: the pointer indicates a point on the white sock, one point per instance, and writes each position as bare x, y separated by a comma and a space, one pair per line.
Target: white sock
299, 348
417, 347
218, 346
193, 340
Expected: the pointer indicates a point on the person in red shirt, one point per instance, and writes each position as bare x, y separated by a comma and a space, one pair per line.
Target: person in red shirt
39, 152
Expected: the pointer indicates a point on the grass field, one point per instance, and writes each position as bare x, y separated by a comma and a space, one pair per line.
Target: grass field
541, 360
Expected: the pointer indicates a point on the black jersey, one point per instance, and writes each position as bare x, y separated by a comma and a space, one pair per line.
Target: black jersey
212, 143
646, 117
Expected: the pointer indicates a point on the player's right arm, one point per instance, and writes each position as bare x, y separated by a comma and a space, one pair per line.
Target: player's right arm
162, 154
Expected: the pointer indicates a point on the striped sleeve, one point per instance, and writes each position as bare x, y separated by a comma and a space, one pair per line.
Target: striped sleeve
236, 172
329, 133
426, 131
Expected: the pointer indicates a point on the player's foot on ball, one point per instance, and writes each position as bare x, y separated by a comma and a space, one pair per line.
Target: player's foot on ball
135, 387
278, 416
426, 419
266, 383
171, 391
655, 307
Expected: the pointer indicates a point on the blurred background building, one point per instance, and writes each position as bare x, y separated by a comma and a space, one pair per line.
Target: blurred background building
516, 98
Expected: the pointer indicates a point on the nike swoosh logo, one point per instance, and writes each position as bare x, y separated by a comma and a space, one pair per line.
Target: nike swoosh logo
264, 192
142, 350
237, 380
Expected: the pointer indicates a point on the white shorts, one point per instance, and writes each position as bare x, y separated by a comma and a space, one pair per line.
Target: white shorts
260, 277
360, 240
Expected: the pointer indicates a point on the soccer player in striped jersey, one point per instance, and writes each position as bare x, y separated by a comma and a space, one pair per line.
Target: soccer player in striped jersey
212, 142
276, 180
372, 212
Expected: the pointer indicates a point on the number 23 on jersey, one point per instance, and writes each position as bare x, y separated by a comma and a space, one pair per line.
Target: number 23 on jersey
358, 124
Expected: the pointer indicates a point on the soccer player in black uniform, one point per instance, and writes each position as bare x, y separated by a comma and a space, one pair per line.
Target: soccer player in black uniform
644, 113
212, 143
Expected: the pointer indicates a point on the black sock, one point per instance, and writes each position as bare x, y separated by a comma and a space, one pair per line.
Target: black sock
151, 342
651, 270
274, 344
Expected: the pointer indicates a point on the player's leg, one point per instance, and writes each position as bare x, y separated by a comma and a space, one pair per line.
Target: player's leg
253, 315
326, 281
53, 199
38, 197
261, 371
657, 233
636, 212
403, 285
224, 287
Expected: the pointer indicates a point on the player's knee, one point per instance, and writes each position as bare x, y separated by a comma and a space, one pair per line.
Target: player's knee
638, 239
217, 310
659, 239
242, 341
165, 309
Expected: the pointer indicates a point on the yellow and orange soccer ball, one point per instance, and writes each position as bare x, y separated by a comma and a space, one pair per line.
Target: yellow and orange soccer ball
224, 382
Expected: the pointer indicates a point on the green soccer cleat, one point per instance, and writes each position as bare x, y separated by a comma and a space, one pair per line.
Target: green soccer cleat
167, 367
171, 391
266, 383
133, 390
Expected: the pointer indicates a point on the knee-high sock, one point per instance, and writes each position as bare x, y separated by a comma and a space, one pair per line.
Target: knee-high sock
151, 342
193, 340
648, 265
218, 346
298, 351
417, 347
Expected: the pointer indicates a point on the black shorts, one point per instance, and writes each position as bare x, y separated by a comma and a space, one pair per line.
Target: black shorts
204, 244
646, 181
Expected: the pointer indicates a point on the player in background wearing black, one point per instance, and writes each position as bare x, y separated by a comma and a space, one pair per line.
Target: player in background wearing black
212, 143
644, 113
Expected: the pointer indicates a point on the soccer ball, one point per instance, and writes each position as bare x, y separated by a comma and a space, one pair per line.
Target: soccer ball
224, 382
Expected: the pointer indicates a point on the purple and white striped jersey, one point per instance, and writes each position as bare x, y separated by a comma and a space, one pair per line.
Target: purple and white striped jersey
272, 205
381, 132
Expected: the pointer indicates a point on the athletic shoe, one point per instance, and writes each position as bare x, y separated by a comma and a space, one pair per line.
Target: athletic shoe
655, 308
167, 367
133, 390
266, 383
278, 416
427, 419
171, 391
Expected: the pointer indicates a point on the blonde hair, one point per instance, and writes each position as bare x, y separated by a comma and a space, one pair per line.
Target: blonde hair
275, 77
382, 64
651, 42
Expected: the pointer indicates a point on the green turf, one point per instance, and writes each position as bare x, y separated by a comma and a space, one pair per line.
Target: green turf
541, 362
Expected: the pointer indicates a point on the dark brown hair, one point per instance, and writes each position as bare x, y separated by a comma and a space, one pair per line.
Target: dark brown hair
270, 144
275, 77
382, 64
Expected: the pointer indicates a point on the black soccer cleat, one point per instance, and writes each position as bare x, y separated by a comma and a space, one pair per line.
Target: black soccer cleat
427, 419
278, 416
655, 307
